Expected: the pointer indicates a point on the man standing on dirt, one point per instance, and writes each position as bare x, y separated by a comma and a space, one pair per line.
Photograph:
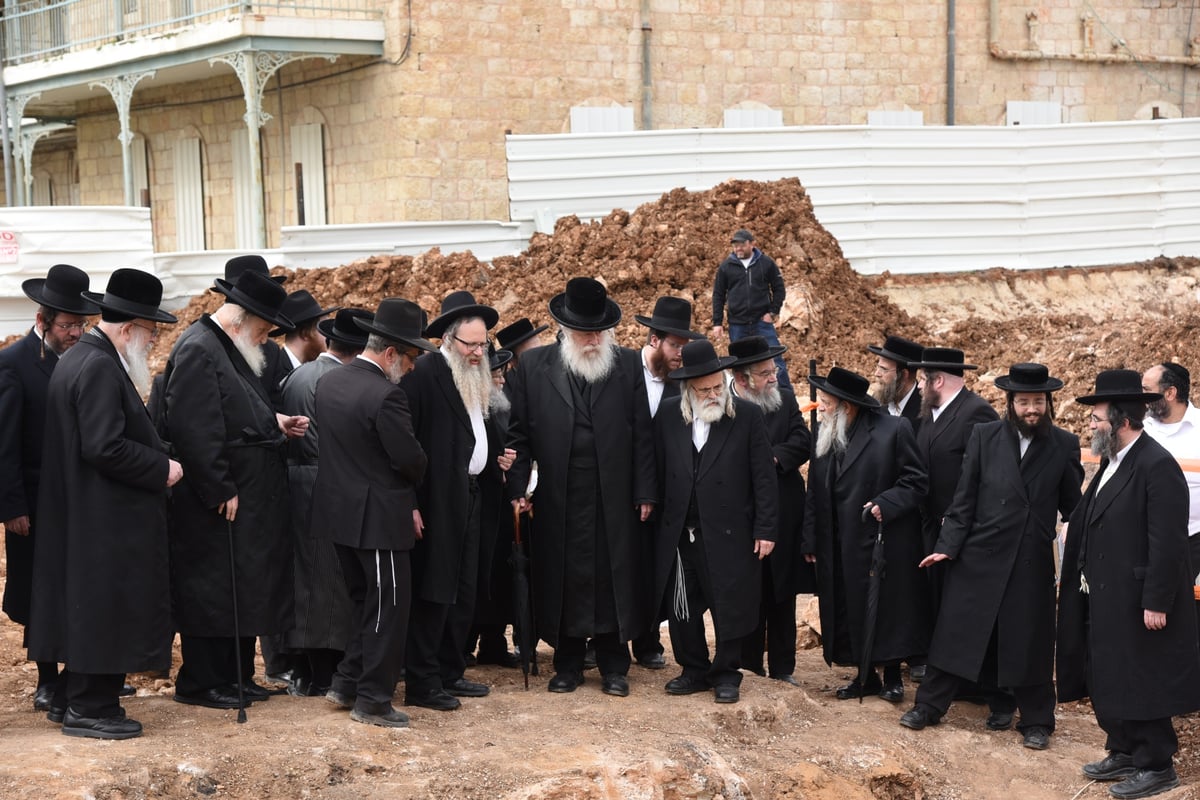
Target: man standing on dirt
996, 623
1126, 617
749, 282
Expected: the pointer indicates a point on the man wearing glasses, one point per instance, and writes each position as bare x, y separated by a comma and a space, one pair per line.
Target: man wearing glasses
895, 384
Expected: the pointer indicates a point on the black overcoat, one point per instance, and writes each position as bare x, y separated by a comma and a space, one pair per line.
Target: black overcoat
881, 465
1000, 533
101, 603
543, 417
941, 444
1132, 537
223, 430
791, 444
737, 497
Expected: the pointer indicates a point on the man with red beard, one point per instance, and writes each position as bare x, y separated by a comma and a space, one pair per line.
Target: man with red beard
996, 624
101, 603
580, 412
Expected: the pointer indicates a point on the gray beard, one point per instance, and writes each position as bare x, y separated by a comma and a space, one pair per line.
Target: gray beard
137, 358
831, 433
593, 363
253, 353
395, 372
886, 393
707, 411
498, 401
769, 399
474, 383
1105, 445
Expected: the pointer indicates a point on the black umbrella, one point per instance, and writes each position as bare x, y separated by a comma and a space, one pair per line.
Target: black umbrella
871, 612
237, 634
524, 636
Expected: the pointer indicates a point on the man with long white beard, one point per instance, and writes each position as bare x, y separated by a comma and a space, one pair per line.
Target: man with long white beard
866, 473
219, 418
785, 574
580, 411
448, 398
100, 602
719, 520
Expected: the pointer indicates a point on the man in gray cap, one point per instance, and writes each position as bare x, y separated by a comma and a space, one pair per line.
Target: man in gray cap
749, 282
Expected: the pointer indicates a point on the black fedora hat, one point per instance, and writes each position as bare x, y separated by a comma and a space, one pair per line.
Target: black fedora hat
942, 359
585, 306
300, 308
132, 293
62, 290
1116, 385
518, 333
753, 349
457, 305
398, 320
341, 327
498, 358
904, 352
847, 385
699, 359
258, 294
671, 315
1029, 377
235, 266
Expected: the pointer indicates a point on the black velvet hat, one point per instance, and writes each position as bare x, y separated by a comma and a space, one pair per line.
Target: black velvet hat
753, 349
904, 352
341, 328
942, 359
300, 308
847, 385
699, 359
671, 315
585, 306
258, 294
456, 306
521, 331
132, 293
235, 266
1030, 377
1116, 385
398, 320
62, 289
498, 358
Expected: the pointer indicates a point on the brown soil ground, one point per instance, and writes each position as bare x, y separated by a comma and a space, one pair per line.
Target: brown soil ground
779, 741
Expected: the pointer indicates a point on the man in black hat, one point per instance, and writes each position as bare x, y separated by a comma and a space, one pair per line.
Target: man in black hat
449, 399
518, 338
323, 620
219, 418
749, 282
996, 624
365, 502
785, 572
865, 473
305, 341
719, 520
100, 600
1126, 618
895, 384
25, 370
578, 410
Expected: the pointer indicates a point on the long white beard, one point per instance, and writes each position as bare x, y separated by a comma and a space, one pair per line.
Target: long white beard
137, 357
831, 433
709, 409
498, 401
474, 383
255, 357
769, 399
591, 362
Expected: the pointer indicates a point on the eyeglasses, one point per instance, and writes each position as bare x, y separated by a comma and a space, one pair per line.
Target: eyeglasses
709, 391
765, 373
471, 346
1096, 420
73, 326
152, 329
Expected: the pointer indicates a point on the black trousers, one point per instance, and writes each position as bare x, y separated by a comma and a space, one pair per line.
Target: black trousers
776, 633
88, 694
370, 668
210, 662
1036, 703
612, 654
688, 640
1151, 742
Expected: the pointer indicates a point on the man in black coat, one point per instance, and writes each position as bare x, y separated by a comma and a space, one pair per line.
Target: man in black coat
25, 370
1126, 618
866, 473
785, 572
720, 504
896, 378
579, 413
996, 625
234, 494
365, 501
100, 602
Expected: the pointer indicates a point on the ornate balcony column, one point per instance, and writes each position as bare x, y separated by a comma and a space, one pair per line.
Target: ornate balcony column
16, 111
121, 90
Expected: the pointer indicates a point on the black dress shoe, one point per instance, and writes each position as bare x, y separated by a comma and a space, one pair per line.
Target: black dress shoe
893, 692
504, 659
436, 699
340, 699
652, 661
854, 689
1112, 766
788, 679
127, 691
920, 717
999, 721
470, 660
1037, 738
43, 697
385, 718
252, 691
465, 688
916, 672
119, 727
564, 682
589, 657
222, 697
616, 685
726, 693
686, 684
281, 679
1144, 783
56, 715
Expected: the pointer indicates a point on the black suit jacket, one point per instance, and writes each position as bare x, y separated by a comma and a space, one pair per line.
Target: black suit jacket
942, 443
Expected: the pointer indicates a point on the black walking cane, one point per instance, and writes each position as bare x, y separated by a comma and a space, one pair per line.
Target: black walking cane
812, 394
237, 634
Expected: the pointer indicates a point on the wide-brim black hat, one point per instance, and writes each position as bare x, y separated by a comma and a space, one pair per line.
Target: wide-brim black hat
585, 306
515, 335
458, 305
259, 295
341, 327
672, 315
1028, 377
132, 293
1117, 385
699, 359
753, 349
62, 290
942, 359
300, 308
235, 266
846, 385
498, 358
398, 320
904, 352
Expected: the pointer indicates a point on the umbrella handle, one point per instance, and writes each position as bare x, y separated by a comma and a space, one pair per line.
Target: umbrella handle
516, 525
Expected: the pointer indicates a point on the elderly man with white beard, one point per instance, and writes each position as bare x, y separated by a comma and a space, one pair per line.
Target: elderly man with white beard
448, 398
866, 472
579, 410
719, 520
219, 419
100, 598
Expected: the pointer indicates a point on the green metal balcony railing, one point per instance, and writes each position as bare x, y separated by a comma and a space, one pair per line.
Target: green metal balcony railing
39, 29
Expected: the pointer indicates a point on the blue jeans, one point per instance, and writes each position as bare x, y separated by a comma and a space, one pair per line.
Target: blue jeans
767, 331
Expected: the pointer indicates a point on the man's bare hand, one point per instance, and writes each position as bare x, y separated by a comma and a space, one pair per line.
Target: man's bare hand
644, 510
717, 333
174, 472
933, 558
17, 525
229, 508
1155, 620
418, 524
506, 459
763, 548
521, 504
292, 427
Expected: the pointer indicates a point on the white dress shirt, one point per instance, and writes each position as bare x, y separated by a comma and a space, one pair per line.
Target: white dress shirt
654, 384
1182, 440
937, 412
